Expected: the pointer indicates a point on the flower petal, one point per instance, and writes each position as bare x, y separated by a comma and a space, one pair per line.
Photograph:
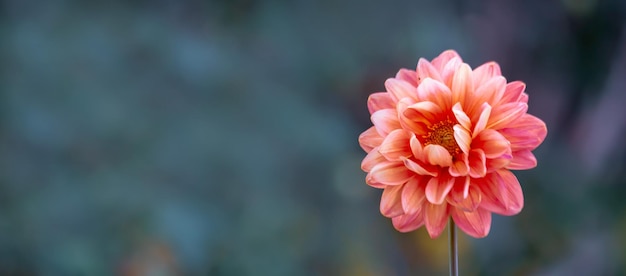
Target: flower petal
416, 148
385, 120
438, 188
501, 193
485, 72
522, 160
413, 195
408, 222
513, 92
435, 218
443, 59
389, 173
399, 89
498, 163
476, 224
528, 132
460, 166
462, 83
449, 69
396, 145
426, 70
482, 120
460, 116
465, 196
503, 115
424, 111
409, 76
413, 123
370, 139
477, 163
434, 91
421, 169
391, 201
492, 143
437, 155
372, 159
462, 138
379, 100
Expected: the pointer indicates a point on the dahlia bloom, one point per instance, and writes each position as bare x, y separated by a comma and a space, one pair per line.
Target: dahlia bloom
444, 140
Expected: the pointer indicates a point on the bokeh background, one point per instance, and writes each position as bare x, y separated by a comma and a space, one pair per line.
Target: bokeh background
220, 137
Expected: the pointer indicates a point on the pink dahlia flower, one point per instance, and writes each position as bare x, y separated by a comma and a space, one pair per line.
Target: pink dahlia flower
444, 140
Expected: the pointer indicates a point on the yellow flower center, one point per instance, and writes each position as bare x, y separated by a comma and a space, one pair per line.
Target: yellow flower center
442, 134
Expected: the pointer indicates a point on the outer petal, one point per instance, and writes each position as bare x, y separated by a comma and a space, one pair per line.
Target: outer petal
426, 70
462, 84
437, 155
409, 76
476, 224
513, 92
372, 159
528, 132
435, 218
396, 145
450, 69
438, 188
385, 121
485, 72
408, 222
413, 195
522, 160
391, 202
502, 193
379, 100
443, 59
503, 115
389, 173
399, 89
370, 139
492, 143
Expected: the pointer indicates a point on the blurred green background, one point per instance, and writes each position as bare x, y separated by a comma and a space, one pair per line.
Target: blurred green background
220, 137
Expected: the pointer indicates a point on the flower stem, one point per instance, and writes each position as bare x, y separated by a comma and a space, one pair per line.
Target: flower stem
454, 255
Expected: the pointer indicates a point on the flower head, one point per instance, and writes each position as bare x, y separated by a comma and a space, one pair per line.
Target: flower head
444, 140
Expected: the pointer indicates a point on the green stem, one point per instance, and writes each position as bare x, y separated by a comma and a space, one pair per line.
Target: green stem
454, 255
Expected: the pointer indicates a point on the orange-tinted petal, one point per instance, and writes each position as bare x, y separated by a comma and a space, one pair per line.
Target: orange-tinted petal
438, 188
372, 159
477, 163
413, 195
449, 70
396, 145
426, 70
476, 224
462, 138
385, 121
408, 222
498, 163
503, 115
485, 72
460, 166
440, 61
460, 116
399, 89
423, 111
391, 201
416, 148
465, 196
389, 173
420, 168
414, 124
522, 160
485, 112
407, 75
462, 83
434, 91
492, 143
501, 193
370, 139
435, 218
437, 155
378, 101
